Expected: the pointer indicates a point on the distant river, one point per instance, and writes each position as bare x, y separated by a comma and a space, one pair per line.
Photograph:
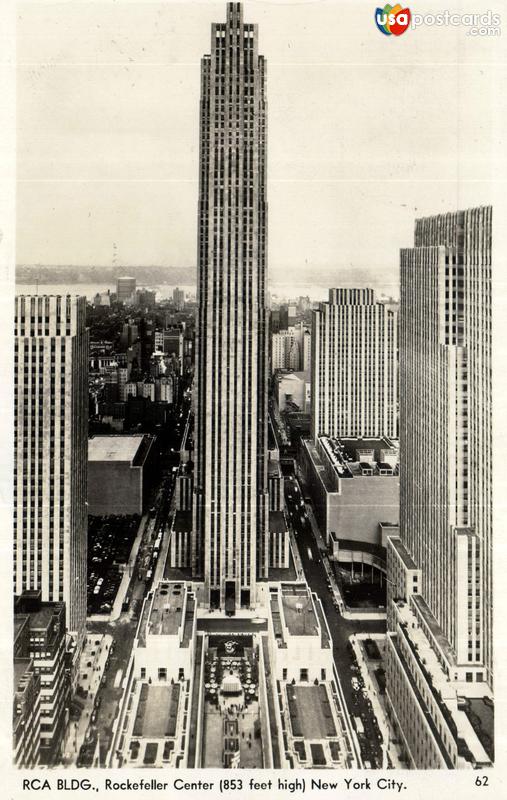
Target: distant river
278, 292
164, 291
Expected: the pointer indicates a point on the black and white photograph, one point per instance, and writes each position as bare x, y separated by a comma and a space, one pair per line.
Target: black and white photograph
257, 253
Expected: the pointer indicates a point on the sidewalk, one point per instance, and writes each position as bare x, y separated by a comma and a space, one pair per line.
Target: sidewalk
378, 704
129, 570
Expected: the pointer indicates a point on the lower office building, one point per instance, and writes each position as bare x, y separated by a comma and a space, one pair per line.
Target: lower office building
26, 712
439, 673
40, 637
203, 691
441, 720
354, 486
154, 726
119, 474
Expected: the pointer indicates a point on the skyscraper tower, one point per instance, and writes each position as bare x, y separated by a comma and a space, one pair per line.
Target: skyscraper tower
354, 366
231, 486
51, 451
440, 566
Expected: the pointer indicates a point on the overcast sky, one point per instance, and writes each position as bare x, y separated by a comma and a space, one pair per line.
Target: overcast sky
365, 132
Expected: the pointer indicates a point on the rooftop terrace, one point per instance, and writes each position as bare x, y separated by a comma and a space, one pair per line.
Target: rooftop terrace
166, 609
298, 611
480, 713
114, 448
310, 711
157, 711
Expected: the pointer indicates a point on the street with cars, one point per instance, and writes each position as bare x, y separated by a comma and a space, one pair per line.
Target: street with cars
312, 557
108, 692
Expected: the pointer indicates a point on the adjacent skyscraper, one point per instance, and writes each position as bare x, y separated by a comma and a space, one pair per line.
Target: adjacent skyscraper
231, 487
50, 451
440, 566
354, 372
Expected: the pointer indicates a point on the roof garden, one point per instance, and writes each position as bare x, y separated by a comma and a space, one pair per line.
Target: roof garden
481, 715
310, 712
157, 711
298, 610
166, 609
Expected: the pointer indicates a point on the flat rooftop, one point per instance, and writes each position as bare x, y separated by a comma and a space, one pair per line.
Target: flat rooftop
157, 711
40, 618
273, 467
182, 521
314, 454
277, 521
281, 573
481, 715
351, 445
434, 627
298, 610
114, 448
403, 553
20, 667
166, 609
310, 706
356, 457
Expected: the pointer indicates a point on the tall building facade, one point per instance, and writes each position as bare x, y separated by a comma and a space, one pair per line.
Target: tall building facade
290, 349
231, 488
179, 298
50, 450
440, 565
354, 366
125, 288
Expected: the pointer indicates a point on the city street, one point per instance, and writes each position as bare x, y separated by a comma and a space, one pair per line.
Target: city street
122, 629
341, 629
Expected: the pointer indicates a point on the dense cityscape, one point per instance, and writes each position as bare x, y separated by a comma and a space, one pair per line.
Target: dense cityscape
254, 531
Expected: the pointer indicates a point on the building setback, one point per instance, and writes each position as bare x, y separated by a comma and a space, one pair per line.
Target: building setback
440, 565
354, 366
231, 488
50, 450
